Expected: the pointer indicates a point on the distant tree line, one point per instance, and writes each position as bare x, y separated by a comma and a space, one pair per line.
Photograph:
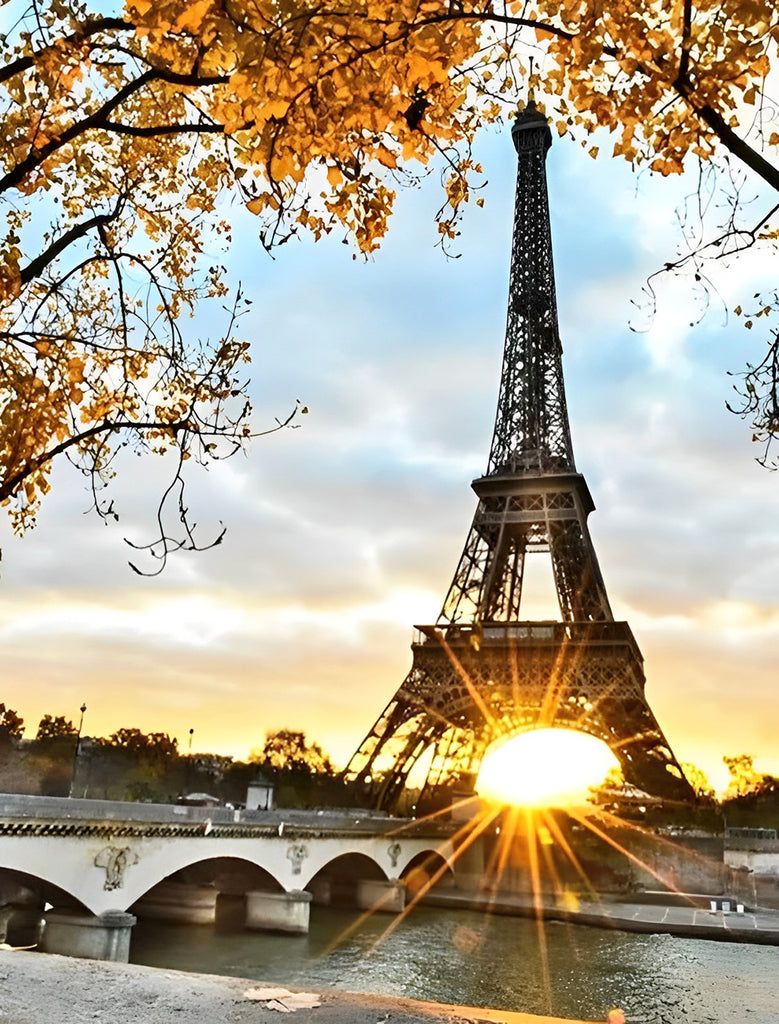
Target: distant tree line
750, 800
133, 765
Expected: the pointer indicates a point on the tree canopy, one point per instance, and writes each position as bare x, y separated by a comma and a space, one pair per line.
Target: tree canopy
745, 780
288, 750
697, 778
55, 727
154, 745
11, 724
126, 134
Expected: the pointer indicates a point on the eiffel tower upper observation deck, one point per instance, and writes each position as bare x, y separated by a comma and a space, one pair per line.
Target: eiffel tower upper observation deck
481, 673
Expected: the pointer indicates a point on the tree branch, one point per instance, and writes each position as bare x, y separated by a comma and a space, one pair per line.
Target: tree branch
754, 160
88, 29
150, 131
98, 118
684, 62
39, 264
750, 235
8, 487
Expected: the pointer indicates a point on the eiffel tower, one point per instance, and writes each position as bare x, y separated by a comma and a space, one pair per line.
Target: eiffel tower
481, 673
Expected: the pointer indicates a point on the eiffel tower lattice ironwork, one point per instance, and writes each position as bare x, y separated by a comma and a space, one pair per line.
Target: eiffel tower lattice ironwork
481, 673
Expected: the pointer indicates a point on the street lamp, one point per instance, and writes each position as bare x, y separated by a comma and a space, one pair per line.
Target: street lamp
82, 709
188, 770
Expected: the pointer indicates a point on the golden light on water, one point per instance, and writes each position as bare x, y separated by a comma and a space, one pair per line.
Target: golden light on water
538, 840
544, 768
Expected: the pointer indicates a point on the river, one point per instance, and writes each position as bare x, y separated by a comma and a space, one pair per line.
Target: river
460, 956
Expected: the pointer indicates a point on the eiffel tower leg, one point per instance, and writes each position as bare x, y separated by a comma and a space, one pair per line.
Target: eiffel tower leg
578, 579
456, 760
401, 735
637, 741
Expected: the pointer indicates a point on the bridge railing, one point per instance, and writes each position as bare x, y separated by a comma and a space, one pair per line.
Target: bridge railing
16, 805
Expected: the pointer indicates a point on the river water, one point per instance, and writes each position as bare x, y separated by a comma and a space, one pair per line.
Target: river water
460, 956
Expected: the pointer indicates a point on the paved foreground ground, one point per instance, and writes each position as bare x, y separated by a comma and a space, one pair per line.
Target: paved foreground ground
42, 988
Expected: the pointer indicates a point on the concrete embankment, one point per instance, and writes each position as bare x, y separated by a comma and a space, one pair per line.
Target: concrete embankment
683, 918
38, 988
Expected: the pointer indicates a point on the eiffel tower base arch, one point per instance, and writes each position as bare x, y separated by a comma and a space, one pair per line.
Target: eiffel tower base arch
470, 686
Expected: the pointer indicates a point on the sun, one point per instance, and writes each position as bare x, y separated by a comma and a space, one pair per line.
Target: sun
544, 768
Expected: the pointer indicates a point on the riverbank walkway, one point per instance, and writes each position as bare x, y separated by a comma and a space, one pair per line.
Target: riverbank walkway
664, 913
39, 989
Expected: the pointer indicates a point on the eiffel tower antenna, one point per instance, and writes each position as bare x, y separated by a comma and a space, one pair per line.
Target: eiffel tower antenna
482, 673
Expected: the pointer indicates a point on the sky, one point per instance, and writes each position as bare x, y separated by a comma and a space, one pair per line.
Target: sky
344, 533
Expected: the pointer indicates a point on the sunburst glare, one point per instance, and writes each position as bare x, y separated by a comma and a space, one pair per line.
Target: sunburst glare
544, 768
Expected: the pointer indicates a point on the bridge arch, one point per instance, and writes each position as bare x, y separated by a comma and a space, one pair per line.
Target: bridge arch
18, 886
427, 870
56, 878
206, 890
227, 874
24, 900
337, 883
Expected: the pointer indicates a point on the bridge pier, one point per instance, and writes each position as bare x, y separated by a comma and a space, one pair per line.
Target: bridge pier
179, 902
21, 914
323, 891
93, 937
278, 911
381, 894
470, 870
21, 924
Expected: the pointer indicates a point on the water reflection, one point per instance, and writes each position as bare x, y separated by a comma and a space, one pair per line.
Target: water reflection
465, 957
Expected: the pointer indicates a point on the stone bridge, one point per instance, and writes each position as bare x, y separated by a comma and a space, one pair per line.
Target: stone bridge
75, 873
